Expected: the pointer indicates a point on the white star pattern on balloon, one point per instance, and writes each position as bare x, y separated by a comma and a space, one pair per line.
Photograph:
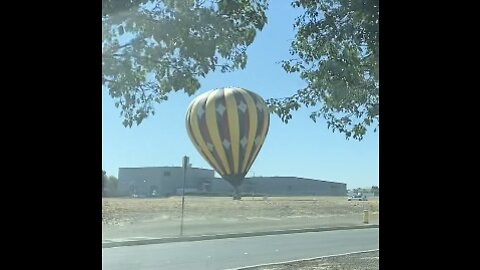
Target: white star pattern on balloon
226, 143
221, 109
200, 112
242, 107
243, 141
210, 147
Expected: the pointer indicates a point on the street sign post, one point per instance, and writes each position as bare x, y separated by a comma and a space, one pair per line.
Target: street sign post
185, 165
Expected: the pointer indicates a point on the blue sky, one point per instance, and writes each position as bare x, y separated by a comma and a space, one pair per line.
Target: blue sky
300, 148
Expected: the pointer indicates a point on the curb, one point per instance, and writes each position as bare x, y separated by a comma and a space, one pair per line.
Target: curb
149, 241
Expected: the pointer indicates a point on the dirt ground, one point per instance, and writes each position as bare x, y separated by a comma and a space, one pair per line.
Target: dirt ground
359, 261
157, 217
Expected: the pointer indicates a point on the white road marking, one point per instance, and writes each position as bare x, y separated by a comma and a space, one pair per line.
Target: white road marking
299, 260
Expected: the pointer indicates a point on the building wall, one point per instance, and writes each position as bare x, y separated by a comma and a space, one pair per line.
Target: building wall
281, 186
166, 180
169, 180
220, 187
292, 186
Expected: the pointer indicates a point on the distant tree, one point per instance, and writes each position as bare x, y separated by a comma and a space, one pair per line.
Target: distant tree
112, 184
104, 178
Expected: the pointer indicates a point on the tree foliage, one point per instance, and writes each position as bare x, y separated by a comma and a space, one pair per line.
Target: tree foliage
151, 48
374, 189
104, 178
111, 7
111, 185
336, 53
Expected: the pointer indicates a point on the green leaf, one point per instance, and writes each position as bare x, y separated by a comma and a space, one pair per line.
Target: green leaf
172, 47
329, 54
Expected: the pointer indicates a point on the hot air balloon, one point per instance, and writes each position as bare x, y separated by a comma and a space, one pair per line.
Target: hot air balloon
228, 127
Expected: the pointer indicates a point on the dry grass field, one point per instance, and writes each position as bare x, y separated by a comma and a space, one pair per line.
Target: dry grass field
155, 217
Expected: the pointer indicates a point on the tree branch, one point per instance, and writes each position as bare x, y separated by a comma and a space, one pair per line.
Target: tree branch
142, 57
131, 43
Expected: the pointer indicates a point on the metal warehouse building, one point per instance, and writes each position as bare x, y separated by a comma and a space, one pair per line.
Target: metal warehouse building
166, 181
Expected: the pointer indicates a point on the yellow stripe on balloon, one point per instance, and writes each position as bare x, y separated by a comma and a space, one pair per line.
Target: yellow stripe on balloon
212, 128
252, 127
233, 127
266, 122
194, 130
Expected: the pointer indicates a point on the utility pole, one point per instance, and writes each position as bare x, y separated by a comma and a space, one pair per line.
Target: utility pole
185, 165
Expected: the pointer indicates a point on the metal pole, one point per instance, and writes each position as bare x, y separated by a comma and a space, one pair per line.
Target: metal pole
365, 216
365, 210
185, 162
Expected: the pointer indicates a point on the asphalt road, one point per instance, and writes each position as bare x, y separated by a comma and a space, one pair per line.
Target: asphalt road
238, 252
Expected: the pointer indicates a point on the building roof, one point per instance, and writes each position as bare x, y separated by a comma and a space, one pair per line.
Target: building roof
162, 167
252, 177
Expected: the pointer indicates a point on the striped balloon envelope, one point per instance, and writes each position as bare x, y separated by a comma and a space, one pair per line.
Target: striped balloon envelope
228, 127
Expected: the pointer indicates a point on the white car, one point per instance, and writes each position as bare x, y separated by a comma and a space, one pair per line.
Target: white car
357, 197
